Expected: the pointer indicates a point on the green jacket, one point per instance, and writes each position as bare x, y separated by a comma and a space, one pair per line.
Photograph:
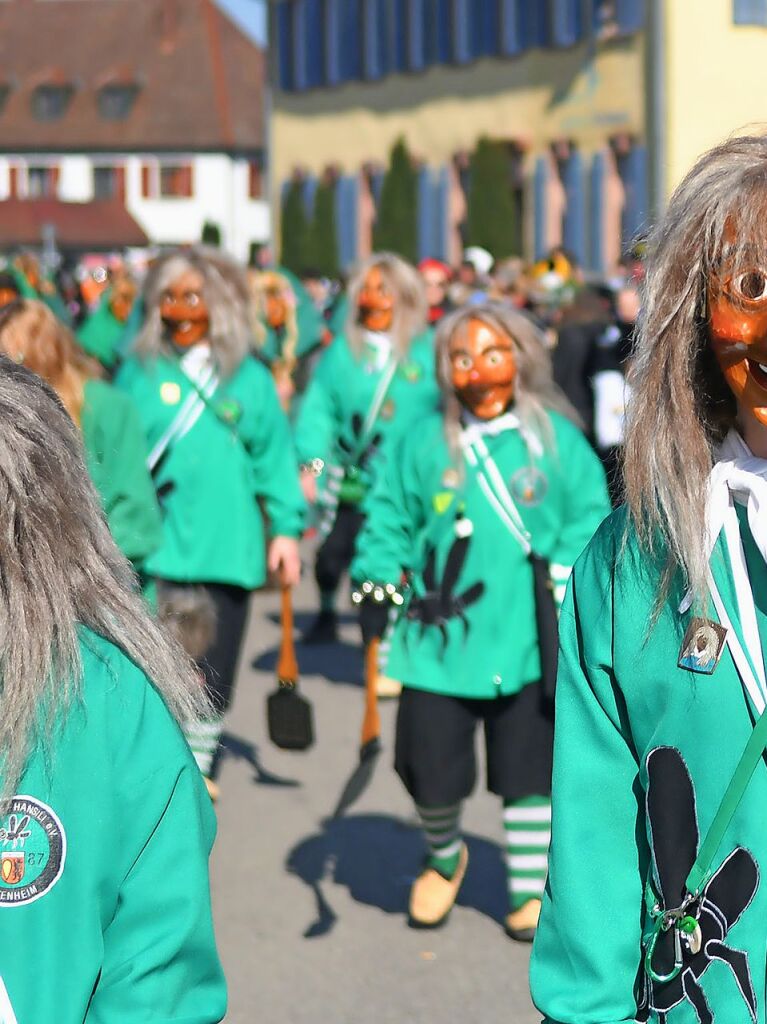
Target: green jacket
105, 337
420, 518
626, 713
212, 478
115, 453
105, 913
338, 399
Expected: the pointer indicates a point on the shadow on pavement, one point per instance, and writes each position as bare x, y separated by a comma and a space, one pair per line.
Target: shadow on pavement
376, 857
338, 663
236, 749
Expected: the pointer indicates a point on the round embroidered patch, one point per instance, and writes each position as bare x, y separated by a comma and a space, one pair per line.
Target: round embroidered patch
33, 848
529, 486
170, 392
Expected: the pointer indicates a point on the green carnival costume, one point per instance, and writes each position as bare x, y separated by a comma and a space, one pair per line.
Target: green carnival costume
467, 630
105, 337
217, 448
650, 728
115, 453
352, 407
88, 936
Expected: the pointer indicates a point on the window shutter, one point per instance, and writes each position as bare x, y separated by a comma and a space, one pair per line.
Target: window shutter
565, 22
13, 183
416, 49
54, 173
119, 188
462, 48
597, 212
511, 34
631, 14
146, 181
398, 33
285, 44
574, 222
634, 174
540, 186
749, 12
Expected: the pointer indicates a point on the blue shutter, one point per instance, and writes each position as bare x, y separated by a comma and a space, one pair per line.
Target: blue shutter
574, 222
376, 38
285, 44
749, 12
540, 200
299, 44
438, 34
634, 172
631, 14
534, 24
332, 37
462, 31
565, 22
415, 35
308, 192
314, 43
488, 28
511, 28
597, 212
441, 216
350, 40
398, 33
425, 214
347, 212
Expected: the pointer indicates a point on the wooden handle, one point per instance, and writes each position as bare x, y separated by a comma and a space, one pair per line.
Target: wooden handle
287, 666
371, 723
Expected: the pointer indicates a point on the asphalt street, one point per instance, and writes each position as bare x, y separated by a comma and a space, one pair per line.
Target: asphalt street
310, 912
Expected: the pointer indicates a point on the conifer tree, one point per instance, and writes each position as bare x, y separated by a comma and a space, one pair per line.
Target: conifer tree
493, 217
295, 230
396, 228
322, 249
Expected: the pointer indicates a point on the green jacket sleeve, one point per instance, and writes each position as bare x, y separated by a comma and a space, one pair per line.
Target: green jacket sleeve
160, 961
317, 423
275, 467
116, 454
587, 502
394, 515
587, 948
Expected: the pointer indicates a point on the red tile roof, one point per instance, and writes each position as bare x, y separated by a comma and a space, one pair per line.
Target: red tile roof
200, 78
101, 224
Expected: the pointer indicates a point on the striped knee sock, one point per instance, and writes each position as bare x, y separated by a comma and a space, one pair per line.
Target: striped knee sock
441, 826
203, 737
527, 824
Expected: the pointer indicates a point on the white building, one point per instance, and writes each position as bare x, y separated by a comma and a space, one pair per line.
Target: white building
151, 106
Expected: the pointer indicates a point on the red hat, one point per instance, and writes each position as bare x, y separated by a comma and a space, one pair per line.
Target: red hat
431, 264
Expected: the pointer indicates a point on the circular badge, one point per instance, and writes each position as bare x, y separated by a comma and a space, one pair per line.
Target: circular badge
529, 486
33, 848
230, 410
170, 392
411, 372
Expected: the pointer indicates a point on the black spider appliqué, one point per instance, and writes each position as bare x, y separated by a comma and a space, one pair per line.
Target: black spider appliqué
348, 446
672, 812
439, 604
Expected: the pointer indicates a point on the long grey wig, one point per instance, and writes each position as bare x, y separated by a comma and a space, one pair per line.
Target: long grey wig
714, 228
535, 393
226, 294
59, 570
410, 306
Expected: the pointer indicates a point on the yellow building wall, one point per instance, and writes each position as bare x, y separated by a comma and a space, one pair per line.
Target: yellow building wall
715, 80
585, 93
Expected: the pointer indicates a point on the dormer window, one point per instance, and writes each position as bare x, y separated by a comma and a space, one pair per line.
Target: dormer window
49, 102
116, 101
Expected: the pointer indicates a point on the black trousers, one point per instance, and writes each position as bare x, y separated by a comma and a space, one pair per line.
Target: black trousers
336, 552
219, 665
434, 752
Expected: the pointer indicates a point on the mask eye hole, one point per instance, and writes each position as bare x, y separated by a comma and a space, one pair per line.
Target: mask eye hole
751, 285
462, 362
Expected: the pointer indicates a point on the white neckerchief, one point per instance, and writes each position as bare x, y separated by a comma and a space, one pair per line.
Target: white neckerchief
196, 364
381, 348
489, 477
739, 476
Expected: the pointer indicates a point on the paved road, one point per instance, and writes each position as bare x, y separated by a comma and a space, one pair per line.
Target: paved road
310, 913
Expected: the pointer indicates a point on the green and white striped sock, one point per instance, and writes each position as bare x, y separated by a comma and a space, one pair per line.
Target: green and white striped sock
203, 737
441, 826
527, 824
